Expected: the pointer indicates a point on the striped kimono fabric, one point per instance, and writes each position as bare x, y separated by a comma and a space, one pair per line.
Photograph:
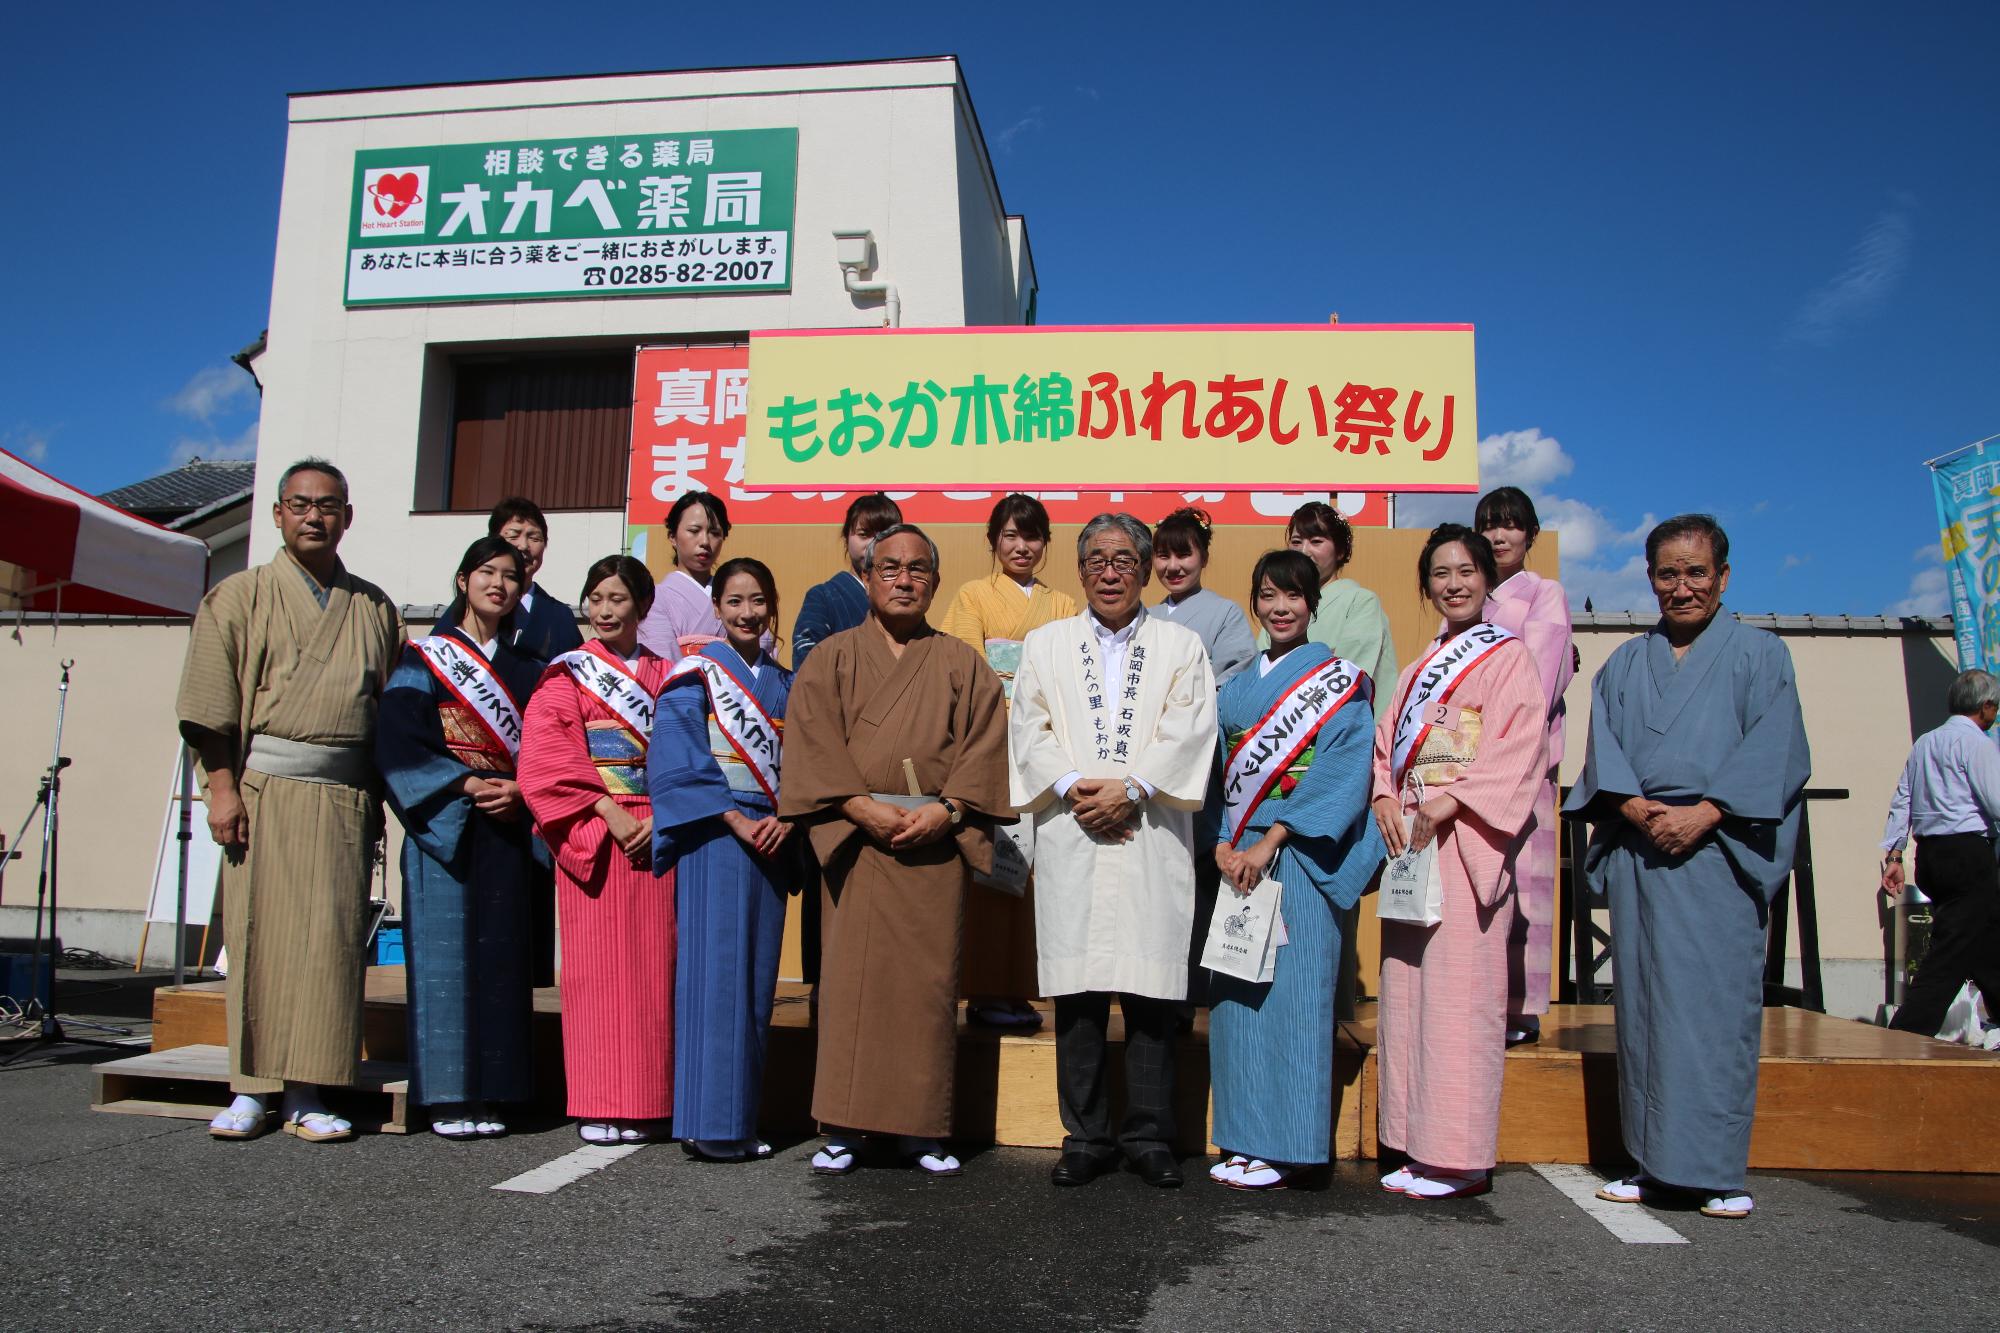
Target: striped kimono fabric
617, 966
1271, 1046
1441, 1036
466, 879
731, 901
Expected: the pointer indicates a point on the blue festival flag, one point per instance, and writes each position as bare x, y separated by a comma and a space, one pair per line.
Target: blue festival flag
1967, 488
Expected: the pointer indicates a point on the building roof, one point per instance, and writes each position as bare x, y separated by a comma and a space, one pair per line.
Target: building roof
198, 484
1784, 624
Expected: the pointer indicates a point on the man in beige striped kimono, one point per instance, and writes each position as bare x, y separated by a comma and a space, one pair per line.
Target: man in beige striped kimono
277, 699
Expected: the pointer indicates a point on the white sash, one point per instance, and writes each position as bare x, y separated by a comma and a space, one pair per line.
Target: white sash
1431, 687
741, 719
615, 688
1260, 759
468, 675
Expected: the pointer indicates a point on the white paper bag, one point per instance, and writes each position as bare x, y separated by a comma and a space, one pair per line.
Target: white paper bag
1013, 858
1240, 933
1412, 890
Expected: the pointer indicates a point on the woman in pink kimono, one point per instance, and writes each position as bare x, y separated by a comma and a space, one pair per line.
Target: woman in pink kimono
1537, 610
1459, 760
683, 618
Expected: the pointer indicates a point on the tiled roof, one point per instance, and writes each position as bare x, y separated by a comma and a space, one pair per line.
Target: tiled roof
191, 486
1795, 624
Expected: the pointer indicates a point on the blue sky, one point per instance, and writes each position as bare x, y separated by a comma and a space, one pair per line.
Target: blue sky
1743, 258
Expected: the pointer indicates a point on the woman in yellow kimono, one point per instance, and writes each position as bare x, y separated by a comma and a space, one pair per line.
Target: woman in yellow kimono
993, 615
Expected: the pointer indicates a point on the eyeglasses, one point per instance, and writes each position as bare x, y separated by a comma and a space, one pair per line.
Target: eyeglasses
918, 570
1097, 564
1667, 579
299, 506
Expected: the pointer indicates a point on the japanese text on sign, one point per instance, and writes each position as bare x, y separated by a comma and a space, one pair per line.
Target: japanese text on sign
689, 415
626, 214
1346, 407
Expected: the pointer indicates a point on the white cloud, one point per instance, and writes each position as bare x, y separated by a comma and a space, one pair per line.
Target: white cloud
1874, 267
1929, 593
210, 392
216, 450
1622, 587
1593, 565
28, 443
1794, 560
1032, 121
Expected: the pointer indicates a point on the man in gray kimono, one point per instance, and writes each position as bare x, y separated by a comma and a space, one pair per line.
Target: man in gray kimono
1694, 778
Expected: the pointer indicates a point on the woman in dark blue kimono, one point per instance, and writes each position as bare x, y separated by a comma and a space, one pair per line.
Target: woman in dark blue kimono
446, 742
841, 602
1309, 714
713, 771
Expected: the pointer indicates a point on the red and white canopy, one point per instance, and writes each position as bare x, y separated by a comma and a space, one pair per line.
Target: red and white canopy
63, 550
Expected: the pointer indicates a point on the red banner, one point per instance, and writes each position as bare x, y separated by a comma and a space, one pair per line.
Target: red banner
689, 407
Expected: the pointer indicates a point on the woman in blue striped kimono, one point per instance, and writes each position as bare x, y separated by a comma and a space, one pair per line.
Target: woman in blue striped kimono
1297, 734
713, 772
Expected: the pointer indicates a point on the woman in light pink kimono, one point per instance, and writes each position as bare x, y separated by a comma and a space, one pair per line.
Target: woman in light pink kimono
1537, 610
1459, 759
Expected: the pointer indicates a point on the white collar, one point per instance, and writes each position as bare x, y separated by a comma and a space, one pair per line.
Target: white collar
528, 600
1108, 635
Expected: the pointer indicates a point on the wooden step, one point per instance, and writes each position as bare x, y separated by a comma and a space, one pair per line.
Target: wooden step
1827, 1087
192, 1083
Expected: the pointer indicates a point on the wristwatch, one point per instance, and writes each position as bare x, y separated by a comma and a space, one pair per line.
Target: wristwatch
951, 808
1134, 792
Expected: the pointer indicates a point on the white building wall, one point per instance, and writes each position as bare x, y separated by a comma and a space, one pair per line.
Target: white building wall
881, 146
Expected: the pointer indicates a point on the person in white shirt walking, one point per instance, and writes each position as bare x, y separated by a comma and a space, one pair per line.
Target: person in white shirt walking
1949, 797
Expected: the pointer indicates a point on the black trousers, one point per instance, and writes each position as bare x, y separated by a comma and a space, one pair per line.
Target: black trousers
1957, 872
1082, 1090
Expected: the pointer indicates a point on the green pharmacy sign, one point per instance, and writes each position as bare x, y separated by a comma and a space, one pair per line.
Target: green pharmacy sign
608, 215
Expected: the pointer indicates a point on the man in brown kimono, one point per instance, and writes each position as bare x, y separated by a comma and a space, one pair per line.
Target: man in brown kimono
284, 669
875, 705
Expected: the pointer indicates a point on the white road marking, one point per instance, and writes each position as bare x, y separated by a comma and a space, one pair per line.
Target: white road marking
1630, 1222
568, 1169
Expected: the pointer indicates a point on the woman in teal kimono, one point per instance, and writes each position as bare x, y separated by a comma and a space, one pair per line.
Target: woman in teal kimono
1271, 1044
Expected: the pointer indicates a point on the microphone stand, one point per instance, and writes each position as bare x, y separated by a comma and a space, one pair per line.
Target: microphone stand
42, 968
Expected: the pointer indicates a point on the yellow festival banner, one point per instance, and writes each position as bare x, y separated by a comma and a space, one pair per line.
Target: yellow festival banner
1345, 407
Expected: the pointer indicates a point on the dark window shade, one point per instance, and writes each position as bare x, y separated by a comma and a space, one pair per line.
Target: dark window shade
555, 429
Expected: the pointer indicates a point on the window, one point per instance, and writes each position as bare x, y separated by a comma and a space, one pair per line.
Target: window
557, 429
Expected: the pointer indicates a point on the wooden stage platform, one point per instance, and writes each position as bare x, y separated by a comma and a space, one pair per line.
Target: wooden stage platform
1832, 1094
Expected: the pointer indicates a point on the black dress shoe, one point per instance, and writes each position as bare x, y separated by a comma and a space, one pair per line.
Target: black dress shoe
1157, 1167
1077, 1167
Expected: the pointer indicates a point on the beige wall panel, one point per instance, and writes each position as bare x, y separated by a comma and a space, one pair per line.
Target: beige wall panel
119, 731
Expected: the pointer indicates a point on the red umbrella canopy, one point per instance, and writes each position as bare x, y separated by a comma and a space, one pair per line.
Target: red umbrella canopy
73, 552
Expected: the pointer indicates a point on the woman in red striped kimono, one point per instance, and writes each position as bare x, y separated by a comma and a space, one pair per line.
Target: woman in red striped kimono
1459, 759
583, 774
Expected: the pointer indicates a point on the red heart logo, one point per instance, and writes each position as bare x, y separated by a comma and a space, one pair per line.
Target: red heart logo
394, 194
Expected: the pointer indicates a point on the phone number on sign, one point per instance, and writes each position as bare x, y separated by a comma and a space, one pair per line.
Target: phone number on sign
683, 274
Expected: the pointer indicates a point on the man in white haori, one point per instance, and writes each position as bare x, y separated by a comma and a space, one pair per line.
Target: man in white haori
1112, 735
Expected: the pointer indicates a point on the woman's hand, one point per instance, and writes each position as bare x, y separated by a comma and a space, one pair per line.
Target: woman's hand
1430, 820
497, 798
633, 834
1256, 862
1389, 819
1226, 860
762, 836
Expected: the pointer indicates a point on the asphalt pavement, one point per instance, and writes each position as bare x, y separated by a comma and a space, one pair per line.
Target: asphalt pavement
132, 1222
